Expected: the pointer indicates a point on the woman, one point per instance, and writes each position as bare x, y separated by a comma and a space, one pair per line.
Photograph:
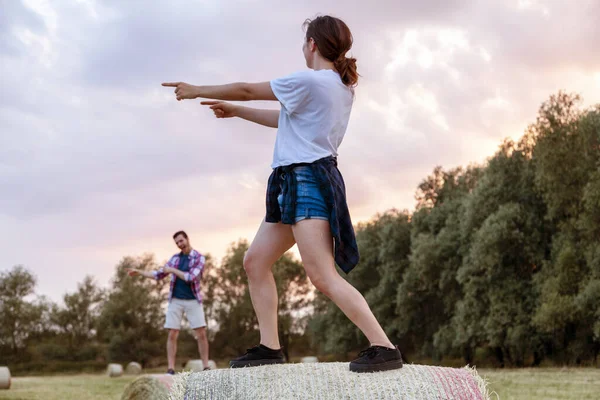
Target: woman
306, 201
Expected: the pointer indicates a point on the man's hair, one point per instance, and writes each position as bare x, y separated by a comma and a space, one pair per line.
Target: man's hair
180, 233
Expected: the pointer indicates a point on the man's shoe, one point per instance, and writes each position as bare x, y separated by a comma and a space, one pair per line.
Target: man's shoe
170, 372
259, 355
377, 358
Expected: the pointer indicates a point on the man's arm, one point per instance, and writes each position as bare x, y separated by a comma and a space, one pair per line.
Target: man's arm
239, 91
147, 274
170, 270
196, 269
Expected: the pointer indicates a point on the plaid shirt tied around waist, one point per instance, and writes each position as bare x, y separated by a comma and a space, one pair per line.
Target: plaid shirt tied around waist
332, 188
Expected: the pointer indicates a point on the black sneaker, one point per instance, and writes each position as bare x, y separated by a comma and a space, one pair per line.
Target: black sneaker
259, 355
377, 358
170, 372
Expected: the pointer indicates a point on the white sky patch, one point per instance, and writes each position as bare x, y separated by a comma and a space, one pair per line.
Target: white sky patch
425, 99
91, 8
487, 57
453, 39
250, 181
427, 48
45, 10
535, 5
401, 57
40, 46
525, 4
393, 112
493, 108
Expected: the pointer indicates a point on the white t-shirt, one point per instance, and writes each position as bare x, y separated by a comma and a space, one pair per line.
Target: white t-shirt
315, 109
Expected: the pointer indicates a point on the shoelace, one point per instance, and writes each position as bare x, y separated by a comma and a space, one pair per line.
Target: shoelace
370, 352
252, 350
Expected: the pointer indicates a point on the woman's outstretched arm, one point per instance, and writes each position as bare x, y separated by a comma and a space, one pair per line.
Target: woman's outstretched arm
239, 91
222, 109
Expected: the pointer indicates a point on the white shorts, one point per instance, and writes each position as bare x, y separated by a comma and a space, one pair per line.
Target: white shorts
194, 312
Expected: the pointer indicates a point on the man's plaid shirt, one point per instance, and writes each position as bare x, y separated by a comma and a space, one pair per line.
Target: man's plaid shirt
192, 276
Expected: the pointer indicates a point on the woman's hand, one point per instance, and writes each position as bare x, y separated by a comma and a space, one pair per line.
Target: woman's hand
221, 108
183, 90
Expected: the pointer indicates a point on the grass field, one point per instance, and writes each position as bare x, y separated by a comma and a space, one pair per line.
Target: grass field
74, 387
544, 383
510, 384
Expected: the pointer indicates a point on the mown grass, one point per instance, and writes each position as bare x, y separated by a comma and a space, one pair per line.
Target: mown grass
544, 383
69, 387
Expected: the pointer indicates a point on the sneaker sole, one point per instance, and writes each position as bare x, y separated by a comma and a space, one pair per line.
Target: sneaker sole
386, 366
254, 363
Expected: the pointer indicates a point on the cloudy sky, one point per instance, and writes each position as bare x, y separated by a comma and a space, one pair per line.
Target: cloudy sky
98, 161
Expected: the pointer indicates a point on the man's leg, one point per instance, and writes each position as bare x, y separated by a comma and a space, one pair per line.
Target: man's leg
194, 312
202, 339
172, 347
173, 324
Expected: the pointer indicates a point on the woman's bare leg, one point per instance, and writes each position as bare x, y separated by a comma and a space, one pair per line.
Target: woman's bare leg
316, 249
271, 242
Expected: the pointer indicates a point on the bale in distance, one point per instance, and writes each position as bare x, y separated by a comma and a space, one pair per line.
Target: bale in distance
114, 370
148, 387
309, 360
133, 368
4, 378
198, 365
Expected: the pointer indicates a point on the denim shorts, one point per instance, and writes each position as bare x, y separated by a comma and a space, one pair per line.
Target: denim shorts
310, 203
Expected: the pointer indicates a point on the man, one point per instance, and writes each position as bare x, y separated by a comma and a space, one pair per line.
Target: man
185, 269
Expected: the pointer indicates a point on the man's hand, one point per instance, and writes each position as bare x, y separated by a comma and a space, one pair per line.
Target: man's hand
168, 270
132, 271
182, 90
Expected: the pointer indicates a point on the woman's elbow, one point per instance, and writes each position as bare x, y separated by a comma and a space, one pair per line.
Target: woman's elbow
247, 92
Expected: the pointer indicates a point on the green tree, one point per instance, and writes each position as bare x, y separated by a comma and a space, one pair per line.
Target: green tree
429, 291
77, 319
132, 317
21, 314
567, 156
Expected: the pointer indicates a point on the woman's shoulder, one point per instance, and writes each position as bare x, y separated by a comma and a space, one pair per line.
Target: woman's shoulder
305, 75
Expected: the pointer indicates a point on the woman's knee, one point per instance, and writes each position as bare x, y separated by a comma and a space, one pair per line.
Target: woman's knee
323, 282
253, 265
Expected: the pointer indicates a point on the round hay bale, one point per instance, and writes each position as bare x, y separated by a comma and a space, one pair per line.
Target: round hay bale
197, 365
4, 378
148, 387
310, 360
331, 381
114, 370
133, 368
